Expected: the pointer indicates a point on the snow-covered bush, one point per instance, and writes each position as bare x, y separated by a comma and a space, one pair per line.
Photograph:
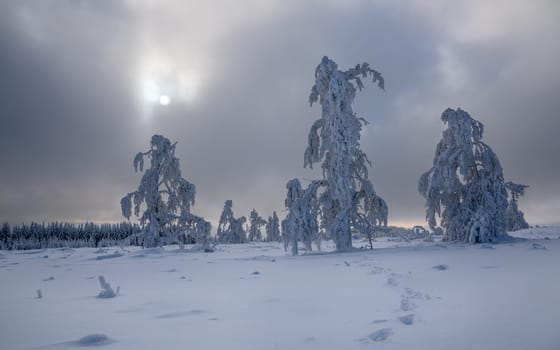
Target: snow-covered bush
348, 201
230, 229
166, 196
515, 219
106, 289
465, 186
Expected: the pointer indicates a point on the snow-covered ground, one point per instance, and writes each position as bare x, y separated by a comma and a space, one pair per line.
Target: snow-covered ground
402, 295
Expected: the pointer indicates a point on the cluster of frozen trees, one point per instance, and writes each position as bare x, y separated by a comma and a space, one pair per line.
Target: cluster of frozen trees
466, 196
64, 234
234, 230
465, 187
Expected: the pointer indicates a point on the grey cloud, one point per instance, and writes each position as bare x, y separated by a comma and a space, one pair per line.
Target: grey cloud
71, 118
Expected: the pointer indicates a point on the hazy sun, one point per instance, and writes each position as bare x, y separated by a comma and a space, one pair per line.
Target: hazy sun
163, 83
164, 100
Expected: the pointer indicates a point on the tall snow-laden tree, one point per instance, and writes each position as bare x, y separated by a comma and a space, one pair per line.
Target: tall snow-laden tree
230, 229
273, 228
165, 197
515, 219
255, 224
348, 200
465, 186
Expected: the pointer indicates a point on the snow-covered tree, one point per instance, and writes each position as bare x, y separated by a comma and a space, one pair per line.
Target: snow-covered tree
166, 198
255, 224
5, 233
465, 186
303, 209
348, 200
230, 229
285, 233
515, 219
273, 228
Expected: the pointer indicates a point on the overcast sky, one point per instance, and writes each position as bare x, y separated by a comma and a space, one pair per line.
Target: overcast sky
81, 81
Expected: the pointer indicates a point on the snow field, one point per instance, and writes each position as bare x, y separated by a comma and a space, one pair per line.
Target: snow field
255, 296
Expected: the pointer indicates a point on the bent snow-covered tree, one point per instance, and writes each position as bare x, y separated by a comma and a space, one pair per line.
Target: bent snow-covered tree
465, 186
515, 219
348, 200
230, 229
166, 198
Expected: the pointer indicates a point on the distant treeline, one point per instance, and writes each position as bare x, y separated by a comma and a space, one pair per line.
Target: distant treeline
64, 234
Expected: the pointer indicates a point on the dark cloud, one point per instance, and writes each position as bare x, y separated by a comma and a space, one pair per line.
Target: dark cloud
72, 116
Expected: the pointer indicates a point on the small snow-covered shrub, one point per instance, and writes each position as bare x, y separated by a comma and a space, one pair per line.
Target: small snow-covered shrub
106, 289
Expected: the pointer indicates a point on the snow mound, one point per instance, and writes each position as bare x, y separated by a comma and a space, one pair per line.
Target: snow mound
550, 232
109, 256
149, 252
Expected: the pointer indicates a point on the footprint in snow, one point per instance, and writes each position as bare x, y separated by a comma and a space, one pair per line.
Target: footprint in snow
48, 279
440, 267
392, 280
407, 304
381, 334
92, 340
89, 341
377, 270
407, 320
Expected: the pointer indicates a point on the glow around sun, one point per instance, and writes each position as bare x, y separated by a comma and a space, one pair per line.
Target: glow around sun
163, 84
